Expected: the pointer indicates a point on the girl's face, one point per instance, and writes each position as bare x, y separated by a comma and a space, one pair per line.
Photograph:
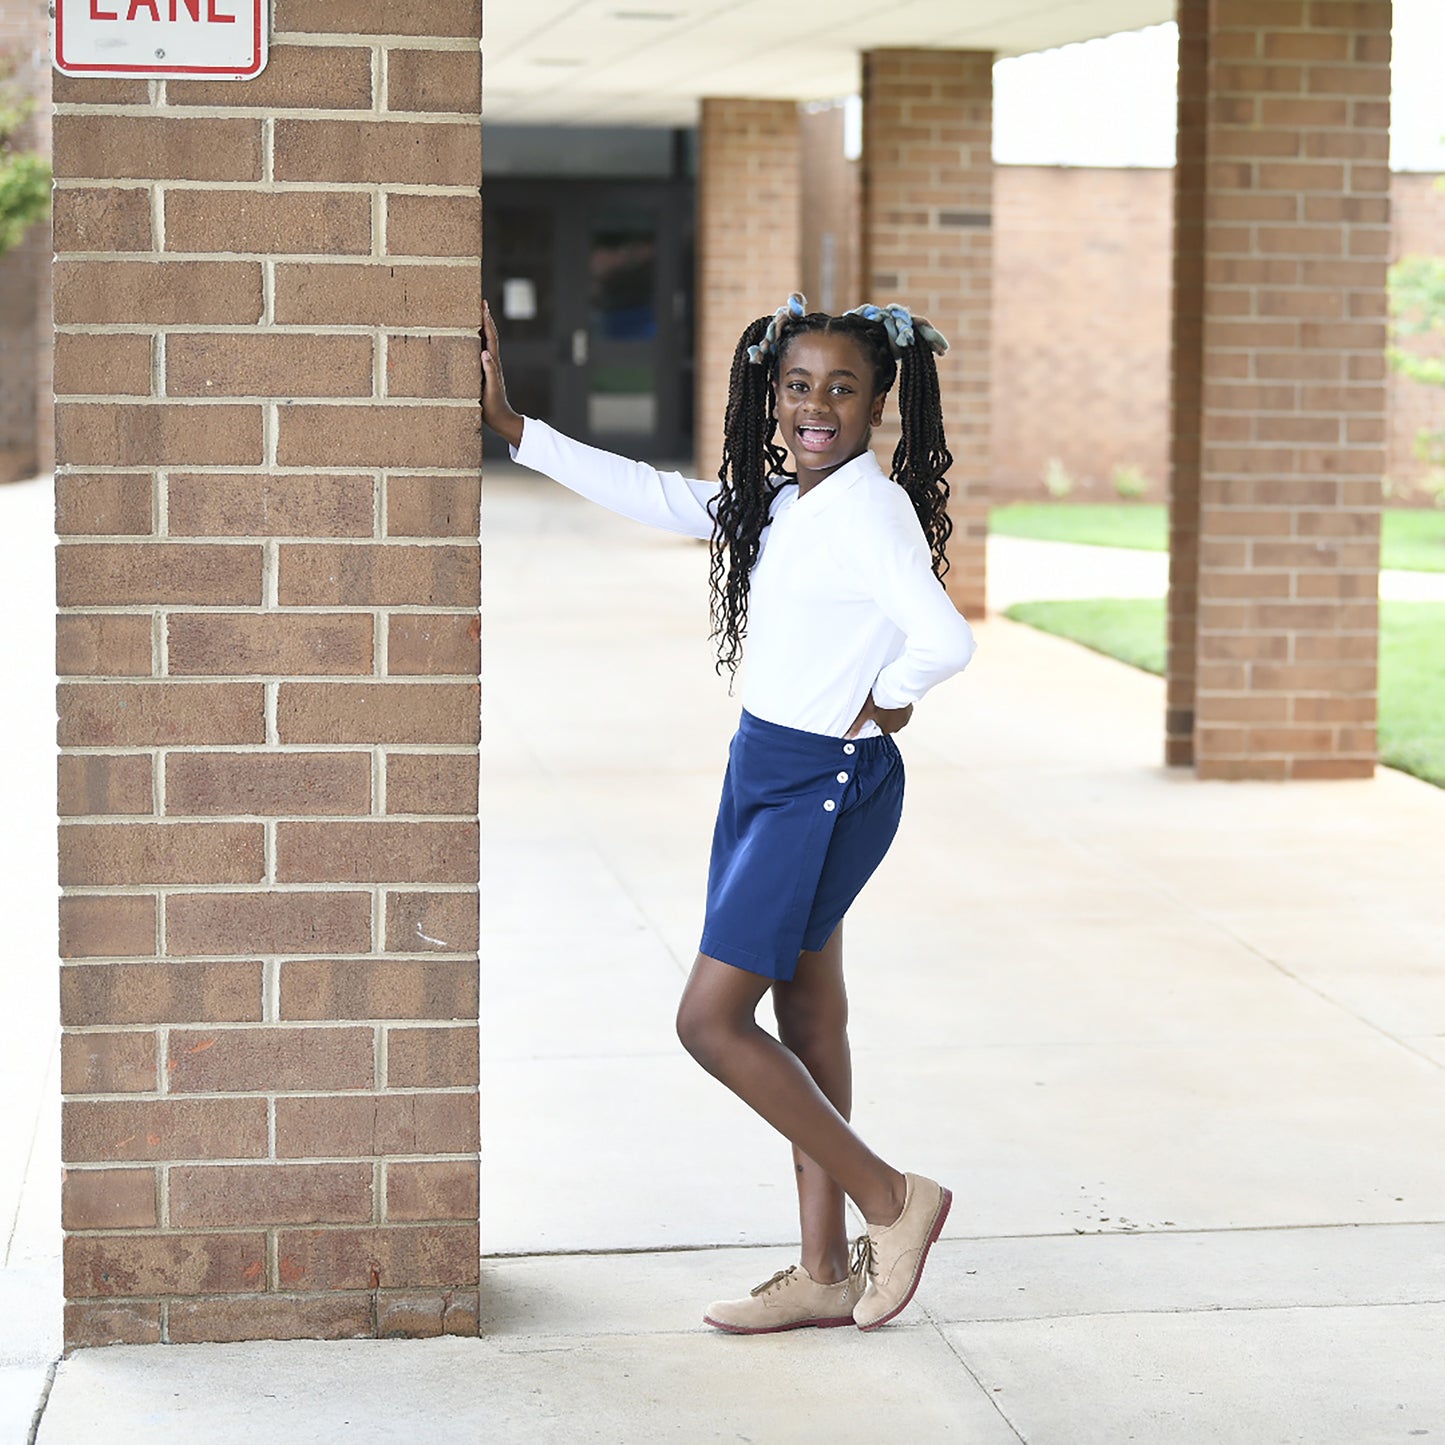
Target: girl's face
826, 403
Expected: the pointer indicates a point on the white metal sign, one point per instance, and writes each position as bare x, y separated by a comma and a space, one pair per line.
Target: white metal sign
215, 39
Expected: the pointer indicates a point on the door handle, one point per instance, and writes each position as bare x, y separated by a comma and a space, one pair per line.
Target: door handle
579, 346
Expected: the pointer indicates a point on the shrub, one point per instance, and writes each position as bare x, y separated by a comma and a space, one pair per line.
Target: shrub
24, 177
1417, 308
1130, 483
1057, 480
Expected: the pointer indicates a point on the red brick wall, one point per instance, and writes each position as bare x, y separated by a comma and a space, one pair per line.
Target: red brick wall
1081, 338
26, 423
1081, 327
927, 207
267, 576
749, 256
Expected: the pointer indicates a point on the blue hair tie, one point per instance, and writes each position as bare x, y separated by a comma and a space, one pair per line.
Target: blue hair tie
795, 306
902, 326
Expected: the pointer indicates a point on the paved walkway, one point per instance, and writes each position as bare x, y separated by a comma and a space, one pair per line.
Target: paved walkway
1178, 1047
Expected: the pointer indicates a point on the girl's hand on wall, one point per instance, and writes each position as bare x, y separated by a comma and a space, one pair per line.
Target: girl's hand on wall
496, 409
889, 719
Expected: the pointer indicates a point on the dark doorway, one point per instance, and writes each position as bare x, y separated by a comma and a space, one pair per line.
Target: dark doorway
591, 283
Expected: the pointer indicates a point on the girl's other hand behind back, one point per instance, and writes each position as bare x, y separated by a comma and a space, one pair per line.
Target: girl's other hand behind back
889, 719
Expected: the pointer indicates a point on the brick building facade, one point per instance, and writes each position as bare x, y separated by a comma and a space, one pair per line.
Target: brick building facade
267, 299
1081, 327
1080, 320
1080, 317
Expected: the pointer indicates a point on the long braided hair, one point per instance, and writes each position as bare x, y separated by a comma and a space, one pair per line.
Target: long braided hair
753, 466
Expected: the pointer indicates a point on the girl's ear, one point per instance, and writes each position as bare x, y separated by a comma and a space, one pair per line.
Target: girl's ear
876, 418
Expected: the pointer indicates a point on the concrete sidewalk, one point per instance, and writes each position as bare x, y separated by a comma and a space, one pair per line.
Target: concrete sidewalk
1179, 1049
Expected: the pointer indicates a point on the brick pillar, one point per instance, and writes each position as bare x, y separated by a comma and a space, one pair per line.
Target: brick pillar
268, 574
1186, 381
1292, 393
927, 202
748, 241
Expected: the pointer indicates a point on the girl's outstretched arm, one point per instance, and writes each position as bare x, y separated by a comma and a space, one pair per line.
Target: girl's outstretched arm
633, 489
667, 500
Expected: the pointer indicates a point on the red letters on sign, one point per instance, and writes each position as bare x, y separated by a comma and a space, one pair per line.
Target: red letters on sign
152, 8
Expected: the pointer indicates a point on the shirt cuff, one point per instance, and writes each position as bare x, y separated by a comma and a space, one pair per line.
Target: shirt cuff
884, 697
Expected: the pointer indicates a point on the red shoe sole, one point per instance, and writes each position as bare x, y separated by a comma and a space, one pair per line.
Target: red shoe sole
938, 1223
831, 1324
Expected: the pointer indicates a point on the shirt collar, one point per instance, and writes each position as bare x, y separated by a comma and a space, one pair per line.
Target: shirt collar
836, 484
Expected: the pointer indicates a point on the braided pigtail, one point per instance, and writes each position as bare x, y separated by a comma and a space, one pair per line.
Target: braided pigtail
921, 459
751, 460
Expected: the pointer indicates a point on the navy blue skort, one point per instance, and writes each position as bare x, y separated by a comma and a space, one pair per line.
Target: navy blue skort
804, 821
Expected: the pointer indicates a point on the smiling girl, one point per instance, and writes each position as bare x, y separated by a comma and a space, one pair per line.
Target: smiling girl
831, 571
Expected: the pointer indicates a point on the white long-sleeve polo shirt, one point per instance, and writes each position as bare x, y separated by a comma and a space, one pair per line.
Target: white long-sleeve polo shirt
842, 601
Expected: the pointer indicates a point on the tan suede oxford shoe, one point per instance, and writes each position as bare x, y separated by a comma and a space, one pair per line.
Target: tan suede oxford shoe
791, 1300
890, 1257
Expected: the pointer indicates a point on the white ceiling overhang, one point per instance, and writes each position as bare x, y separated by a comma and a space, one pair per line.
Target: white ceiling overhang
648, 62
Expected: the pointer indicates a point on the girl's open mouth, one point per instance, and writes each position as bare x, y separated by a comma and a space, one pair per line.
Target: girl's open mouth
817, 438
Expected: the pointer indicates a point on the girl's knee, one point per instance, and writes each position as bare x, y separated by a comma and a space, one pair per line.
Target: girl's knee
808, 1017
698, 1032
715, 1013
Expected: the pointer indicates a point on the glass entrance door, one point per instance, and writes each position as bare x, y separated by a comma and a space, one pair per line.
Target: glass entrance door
591, 285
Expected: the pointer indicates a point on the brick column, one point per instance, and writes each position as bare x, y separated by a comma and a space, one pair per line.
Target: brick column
748, 241
1291, 408
267, 573
1186, 381
927, 200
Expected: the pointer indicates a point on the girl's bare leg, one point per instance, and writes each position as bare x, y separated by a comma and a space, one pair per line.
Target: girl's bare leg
716, 1023
812, 1014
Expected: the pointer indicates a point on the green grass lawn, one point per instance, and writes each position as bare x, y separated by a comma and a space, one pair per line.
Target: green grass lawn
1414, 541
1412, 664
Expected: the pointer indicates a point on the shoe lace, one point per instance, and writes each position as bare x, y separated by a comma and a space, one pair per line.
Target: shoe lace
777, 1279
861, 1263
